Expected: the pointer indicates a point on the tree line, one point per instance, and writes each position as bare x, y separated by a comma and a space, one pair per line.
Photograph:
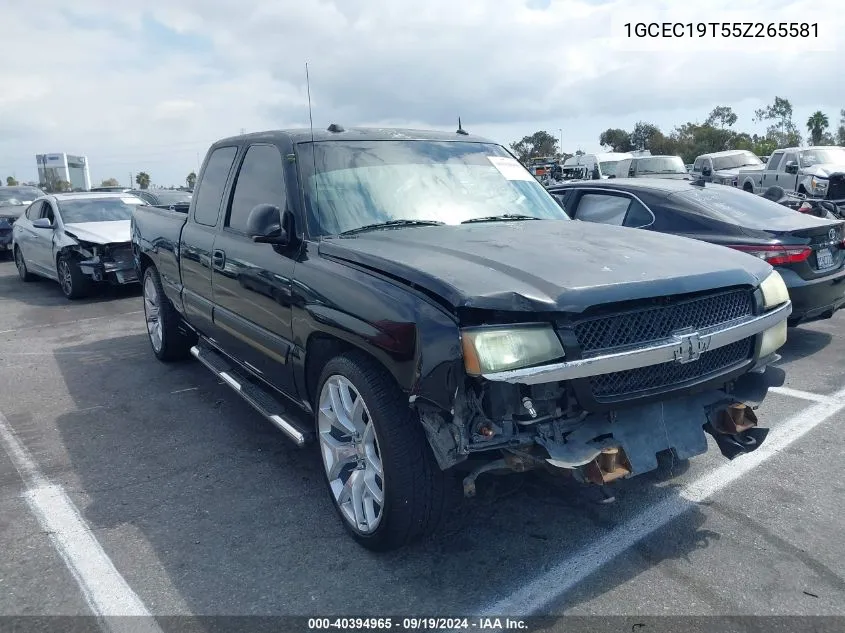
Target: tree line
715, 134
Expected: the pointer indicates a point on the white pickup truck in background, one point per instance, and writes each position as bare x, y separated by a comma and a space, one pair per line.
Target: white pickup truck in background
816, 172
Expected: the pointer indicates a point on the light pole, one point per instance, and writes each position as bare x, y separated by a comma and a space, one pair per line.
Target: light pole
560, 148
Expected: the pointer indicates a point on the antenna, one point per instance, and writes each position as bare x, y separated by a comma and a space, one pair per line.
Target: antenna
313, 148
460, 129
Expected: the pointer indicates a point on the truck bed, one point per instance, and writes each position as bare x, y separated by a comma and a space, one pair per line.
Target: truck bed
156, 233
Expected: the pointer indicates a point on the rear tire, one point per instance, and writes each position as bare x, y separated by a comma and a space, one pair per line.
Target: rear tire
387, 457
164, 325
74, 284
20, 264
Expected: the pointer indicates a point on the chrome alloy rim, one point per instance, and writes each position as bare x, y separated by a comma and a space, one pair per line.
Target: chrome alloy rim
350, 452
65, 277
21, 265
152, 312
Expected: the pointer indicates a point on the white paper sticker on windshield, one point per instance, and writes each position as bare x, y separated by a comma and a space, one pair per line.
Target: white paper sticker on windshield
510, 168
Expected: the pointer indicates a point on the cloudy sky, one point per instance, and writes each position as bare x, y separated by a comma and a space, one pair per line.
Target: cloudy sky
149, 89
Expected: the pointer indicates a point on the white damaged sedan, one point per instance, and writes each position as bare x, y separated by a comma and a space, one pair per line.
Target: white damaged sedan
77, 239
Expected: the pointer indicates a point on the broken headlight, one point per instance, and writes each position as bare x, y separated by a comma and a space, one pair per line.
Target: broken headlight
492, 349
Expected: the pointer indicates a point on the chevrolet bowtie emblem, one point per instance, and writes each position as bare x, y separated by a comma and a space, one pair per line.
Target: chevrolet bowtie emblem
690, 346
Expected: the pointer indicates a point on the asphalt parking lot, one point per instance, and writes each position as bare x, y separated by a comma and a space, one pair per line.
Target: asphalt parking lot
204, 508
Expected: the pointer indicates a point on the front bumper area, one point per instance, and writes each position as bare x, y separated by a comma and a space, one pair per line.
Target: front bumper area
602, 447
114, 272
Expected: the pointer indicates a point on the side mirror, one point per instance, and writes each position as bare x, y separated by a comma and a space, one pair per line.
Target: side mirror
264, 224
706, 171
42, 223
791, 167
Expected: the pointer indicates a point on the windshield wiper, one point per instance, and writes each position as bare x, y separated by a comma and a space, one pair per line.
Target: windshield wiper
503, 217
391, 224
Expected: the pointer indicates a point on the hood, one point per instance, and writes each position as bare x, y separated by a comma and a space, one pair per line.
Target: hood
100, 232
823, 169
12, 211
735, 172
545, 265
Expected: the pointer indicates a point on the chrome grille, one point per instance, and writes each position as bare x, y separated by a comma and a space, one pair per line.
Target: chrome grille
659, 377
647, 325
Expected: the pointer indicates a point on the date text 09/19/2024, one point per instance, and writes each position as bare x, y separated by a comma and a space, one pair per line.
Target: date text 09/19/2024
761, 30
416, 624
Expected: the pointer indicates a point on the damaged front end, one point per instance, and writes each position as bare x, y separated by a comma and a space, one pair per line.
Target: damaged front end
610, 404
110, 263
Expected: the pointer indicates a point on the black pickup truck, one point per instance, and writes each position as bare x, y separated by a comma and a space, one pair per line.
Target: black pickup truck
419, 305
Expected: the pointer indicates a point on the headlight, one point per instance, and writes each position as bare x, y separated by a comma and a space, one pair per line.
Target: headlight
773, 339
818, 184
774, 290
491, 349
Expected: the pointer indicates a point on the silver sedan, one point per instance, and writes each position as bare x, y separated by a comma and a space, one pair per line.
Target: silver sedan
77, 239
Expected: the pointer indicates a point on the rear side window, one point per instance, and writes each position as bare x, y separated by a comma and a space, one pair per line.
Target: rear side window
260, 181
611, 209
774, 161
212, 185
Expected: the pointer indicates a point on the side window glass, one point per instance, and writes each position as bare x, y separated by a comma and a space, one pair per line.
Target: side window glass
47, 212
786, 159
774, 161
260, 181
34, 210
638, 216
602, 208
212, 184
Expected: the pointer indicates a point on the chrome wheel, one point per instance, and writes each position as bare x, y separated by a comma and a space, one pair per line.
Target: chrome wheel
65, 277
351, 456
152, 312
20, 264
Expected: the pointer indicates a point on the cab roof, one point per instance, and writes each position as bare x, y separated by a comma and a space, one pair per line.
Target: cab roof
303, 135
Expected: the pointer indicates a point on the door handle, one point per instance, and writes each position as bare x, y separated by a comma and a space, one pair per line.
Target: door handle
218, 259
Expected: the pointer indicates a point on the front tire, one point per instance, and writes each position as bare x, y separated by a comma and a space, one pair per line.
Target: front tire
167, 339
74, 284
382, 476
20, 264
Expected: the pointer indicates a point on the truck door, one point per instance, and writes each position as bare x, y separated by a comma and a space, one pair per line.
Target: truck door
787, 181
252, 281
769, 176
195, 249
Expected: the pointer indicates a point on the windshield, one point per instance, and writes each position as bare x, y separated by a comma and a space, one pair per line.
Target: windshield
735, 161
608, 168
16, 196
822, 155
98, 209
351, 184
661, 165
735, 206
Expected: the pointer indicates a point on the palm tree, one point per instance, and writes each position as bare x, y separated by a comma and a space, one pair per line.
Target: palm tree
143, 180
191, 180
817, 124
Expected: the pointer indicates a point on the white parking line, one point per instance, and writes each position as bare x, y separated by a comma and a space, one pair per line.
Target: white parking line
43, 325
105, 590
801, 395
539, 594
